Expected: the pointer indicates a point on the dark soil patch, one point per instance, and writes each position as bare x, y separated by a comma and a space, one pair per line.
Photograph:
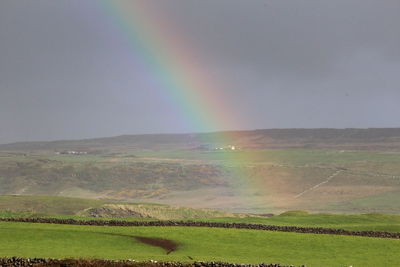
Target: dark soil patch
167, 245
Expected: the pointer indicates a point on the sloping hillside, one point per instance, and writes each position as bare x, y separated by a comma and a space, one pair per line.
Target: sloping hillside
372, 139
250, 181
102, 178
53, 205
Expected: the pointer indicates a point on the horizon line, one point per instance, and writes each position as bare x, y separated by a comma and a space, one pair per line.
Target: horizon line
194, 133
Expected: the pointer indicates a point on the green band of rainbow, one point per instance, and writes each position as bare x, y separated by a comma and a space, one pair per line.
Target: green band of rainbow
182, 75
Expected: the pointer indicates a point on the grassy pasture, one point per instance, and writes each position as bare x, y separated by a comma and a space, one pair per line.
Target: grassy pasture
66, 206
46, 204
205, 244
386, 202
369, 181
360, 222
278, 156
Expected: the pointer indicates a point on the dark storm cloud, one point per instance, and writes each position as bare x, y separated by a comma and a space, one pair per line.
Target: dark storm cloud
291, 38
66, 70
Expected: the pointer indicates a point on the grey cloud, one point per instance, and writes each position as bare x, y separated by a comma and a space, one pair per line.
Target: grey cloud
68, 71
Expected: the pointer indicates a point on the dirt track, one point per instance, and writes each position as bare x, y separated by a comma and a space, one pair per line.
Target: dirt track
295, 229
167, 245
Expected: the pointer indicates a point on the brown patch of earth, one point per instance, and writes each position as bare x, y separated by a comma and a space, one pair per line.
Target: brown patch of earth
168, 245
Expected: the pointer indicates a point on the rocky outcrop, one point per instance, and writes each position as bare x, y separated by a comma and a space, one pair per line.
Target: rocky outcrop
110, 211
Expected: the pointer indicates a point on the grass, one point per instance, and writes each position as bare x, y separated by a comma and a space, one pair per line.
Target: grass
277, 156
78, 159
268, 179
387, 202
276, 169
63, 207
281, 156
361, 222
46, 204
202, 244
30, 206
113, 180
165, 212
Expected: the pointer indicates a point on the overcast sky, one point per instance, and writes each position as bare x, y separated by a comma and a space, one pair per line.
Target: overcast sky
67, 70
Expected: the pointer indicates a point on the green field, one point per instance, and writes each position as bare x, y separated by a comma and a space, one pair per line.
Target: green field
360, 222
62, 207
201, 244
79, 207
198, 243
364, 182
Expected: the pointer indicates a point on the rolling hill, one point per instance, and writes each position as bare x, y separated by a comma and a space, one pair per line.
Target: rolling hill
365, 139
318, 170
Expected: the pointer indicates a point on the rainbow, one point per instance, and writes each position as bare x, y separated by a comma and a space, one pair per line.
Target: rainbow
178, 70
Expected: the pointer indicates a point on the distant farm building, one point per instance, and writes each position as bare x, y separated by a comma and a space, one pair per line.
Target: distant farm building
71, 152
229, 147
211, 147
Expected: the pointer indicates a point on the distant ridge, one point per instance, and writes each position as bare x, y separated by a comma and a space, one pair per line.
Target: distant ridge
320, 138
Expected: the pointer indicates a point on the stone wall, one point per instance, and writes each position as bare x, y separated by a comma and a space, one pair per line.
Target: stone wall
295, 229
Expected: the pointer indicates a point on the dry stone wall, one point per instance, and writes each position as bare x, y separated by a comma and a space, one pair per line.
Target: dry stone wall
41, 262
295, 229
